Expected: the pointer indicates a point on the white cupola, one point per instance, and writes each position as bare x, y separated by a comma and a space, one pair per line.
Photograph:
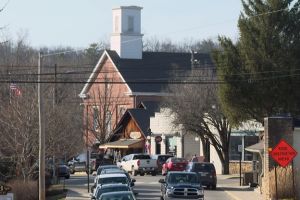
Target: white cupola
126, 38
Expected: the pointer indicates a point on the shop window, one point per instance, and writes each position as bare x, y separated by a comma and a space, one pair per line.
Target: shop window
171, 145
249, 140
235, 141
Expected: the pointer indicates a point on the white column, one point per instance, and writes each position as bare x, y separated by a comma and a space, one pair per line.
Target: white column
179, 152
163, 145
153, 145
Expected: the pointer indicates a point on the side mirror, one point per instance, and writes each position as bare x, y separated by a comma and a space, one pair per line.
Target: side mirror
133, 180
131, 184
162, 181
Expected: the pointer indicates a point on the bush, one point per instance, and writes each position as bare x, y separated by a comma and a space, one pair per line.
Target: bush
27, 190
284, 183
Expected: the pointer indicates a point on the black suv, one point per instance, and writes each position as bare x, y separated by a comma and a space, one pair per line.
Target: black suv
206, 173
181, 185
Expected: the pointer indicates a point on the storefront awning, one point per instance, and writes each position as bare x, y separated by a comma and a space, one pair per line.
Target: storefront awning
124, 144
256, 148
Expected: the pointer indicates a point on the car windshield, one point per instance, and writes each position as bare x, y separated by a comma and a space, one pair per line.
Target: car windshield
204, 168
182, 178
110, 180
117, 197
112, 189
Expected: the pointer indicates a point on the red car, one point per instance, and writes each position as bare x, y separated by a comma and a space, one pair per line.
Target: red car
174, 164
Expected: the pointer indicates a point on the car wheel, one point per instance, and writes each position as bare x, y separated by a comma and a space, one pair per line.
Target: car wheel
153, 173
133, 172
67, 177
213, 187
142, 174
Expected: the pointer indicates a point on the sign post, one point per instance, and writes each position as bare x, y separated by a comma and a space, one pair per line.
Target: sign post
240, 149
283, 154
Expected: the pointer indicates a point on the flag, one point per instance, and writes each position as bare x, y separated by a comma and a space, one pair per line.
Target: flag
15, 89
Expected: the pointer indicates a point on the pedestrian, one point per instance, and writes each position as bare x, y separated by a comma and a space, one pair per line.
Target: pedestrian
194, 158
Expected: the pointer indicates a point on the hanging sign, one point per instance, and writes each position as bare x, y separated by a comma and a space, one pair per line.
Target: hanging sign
283, 153
135, 135
158, 139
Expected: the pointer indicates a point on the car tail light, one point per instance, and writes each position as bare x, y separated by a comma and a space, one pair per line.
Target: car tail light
214, 174
138, 163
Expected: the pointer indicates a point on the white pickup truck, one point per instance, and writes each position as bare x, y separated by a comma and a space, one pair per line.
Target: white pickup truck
138, 164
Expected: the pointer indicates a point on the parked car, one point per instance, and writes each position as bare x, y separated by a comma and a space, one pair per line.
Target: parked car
102, 160
78, 167
181, 185
138, 164
206, 172
160, 160
63, 171
102, 167
117, 196
174, 164
113, 179
113, 171
101, 189
99, 170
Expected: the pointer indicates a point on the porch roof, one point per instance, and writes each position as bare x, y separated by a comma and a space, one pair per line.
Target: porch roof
256, 148
123, 144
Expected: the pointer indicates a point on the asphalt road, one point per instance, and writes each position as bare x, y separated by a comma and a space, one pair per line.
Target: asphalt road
146, 186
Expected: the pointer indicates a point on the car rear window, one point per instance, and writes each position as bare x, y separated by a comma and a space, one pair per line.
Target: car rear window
201, 167
141, 157
177, 160
112, 180
163, 158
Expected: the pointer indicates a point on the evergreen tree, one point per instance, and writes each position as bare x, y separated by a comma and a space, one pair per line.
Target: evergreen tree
260, 71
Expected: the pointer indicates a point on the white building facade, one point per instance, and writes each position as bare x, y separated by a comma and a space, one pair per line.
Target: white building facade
166, 138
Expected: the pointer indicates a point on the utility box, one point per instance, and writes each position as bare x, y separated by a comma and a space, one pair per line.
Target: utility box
248, 178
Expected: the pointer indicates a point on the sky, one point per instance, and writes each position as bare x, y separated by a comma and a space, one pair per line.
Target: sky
78, 23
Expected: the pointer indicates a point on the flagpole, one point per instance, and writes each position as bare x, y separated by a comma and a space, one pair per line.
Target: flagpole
42, 193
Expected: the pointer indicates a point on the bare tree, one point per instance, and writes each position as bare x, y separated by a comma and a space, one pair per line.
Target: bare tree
197, 108
154, 44
105, 109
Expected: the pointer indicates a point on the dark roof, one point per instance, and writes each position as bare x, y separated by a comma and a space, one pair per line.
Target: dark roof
150, 106
142, 118
155, 69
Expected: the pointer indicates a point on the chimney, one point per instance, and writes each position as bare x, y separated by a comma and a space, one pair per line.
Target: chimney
126, 38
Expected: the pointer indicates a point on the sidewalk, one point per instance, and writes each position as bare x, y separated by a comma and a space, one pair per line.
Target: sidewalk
77, 187
230, 185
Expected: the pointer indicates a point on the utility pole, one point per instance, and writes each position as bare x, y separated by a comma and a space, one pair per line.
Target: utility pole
87, 148
42, 193
54, 90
